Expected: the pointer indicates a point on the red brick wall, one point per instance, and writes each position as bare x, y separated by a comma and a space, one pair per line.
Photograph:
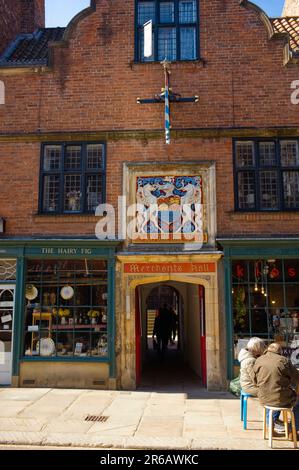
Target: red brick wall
19, 16
94, 86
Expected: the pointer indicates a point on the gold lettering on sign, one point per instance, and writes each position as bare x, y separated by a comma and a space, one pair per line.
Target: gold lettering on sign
47, 251
67, 251
170, 268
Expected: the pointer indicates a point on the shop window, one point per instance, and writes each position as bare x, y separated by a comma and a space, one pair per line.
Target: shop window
175, 29
265, 300
72, 178
267, 175
66, 313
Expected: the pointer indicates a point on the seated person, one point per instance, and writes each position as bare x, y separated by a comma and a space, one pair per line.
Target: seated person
276, 378
247, 357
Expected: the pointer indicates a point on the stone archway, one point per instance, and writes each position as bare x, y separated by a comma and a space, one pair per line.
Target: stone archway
125, 347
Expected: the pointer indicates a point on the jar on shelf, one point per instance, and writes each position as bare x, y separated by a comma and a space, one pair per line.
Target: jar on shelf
104, 318
295, 317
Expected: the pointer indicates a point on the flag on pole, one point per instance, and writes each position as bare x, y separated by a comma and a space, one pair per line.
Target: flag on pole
167, 107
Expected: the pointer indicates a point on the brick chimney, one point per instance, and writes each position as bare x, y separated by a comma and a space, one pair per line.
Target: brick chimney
291, 8
33, 15
19, 16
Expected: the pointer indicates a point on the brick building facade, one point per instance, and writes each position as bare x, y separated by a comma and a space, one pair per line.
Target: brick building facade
71, 94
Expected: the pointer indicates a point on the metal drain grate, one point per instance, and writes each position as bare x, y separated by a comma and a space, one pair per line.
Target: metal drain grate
95, 418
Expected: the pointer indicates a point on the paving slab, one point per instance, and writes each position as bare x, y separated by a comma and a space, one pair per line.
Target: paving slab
19, 437
87, 405
160, 427
9, 408
121, 426
23, 394
82, 440
67, 425
227, 444
52, 404
21, 424
158, 443
158, 409
199, 419
122, 406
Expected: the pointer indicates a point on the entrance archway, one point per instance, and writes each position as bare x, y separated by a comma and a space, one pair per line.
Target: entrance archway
198, 270
185, 358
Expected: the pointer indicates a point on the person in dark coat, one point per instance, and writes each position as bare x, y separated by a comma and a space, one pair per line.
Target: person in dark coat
162, 328
173, 326
277, 380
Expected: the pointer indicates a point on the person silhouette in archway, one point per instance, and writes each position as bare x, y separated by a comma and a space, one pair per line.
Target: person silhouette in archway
162, 329
173, 326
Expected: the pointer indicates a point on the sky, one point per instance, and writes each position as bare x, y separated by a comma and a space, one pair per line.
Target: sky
60, 12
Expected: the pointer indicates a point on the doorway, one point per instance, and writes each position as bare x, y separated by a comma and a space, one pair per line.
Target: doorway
7, 307
185, 357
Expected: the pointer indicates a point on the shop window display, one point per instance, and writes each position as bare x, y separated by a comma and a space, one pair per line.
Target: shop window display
66, 308
265, 299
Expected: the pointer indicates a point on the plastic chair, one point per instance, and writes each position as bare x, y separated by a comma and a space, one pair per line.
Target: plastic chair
285, 412
244, 398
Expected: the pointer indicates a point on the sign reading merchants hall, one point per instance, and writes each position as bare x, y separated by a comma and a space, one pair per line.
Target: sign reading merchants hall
171, 268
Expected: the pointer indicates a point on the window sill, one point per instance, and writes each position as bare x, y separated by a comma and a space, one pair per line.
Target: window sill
255, 216
67, 218
64, 359
192, 64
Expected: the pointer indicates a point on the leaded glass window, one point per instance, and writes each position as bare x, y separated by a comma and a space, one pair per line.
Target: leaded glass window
175, 29
267, 175
73, 178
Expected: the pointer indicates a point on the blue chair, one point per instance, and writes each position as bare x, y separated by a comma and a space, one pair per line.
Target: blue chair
243, 398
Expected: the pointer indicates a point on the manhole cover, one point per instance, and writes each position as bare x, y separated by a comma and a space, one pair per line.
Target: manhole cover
97, 418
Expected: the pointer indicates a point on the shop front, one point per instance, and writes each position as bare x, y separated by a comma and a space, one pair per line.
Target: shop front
195, 284
57, 314
262, 295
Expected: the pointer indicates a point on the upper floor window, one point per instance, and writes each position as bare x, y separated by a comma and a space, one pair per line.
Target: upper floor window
72, 178
175, 29
267, 175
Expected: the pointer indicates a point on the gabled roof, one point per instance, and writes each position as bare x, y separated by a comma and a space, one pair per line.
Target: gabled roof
288, 25
31, 49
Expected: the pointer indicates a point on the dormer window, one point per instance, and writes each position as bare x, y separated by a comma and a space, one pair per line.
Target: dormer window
175, 29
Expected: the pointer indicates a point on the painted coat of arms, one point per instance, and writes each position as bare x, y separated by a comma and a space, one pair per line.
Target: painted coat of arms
169, 208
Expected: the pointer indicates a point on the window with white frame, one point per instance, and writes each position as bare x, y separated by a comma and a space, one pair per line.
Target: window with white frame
175, 29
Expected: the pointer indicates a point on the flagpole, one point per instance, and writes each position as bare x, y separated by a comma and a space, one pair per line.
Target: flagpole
166, 65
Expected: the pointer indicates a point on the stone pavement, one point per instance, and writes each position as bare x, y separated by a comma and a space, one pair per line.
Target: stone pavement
167, 418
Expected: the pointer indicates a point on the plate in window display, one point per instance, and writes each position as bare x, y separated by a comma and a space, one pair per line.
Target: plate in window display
67, 292
46, 347
31, 292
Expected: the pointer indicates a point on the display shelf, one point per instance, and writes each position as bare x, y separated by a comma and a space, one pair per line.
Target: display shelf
88, 327
44, 307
